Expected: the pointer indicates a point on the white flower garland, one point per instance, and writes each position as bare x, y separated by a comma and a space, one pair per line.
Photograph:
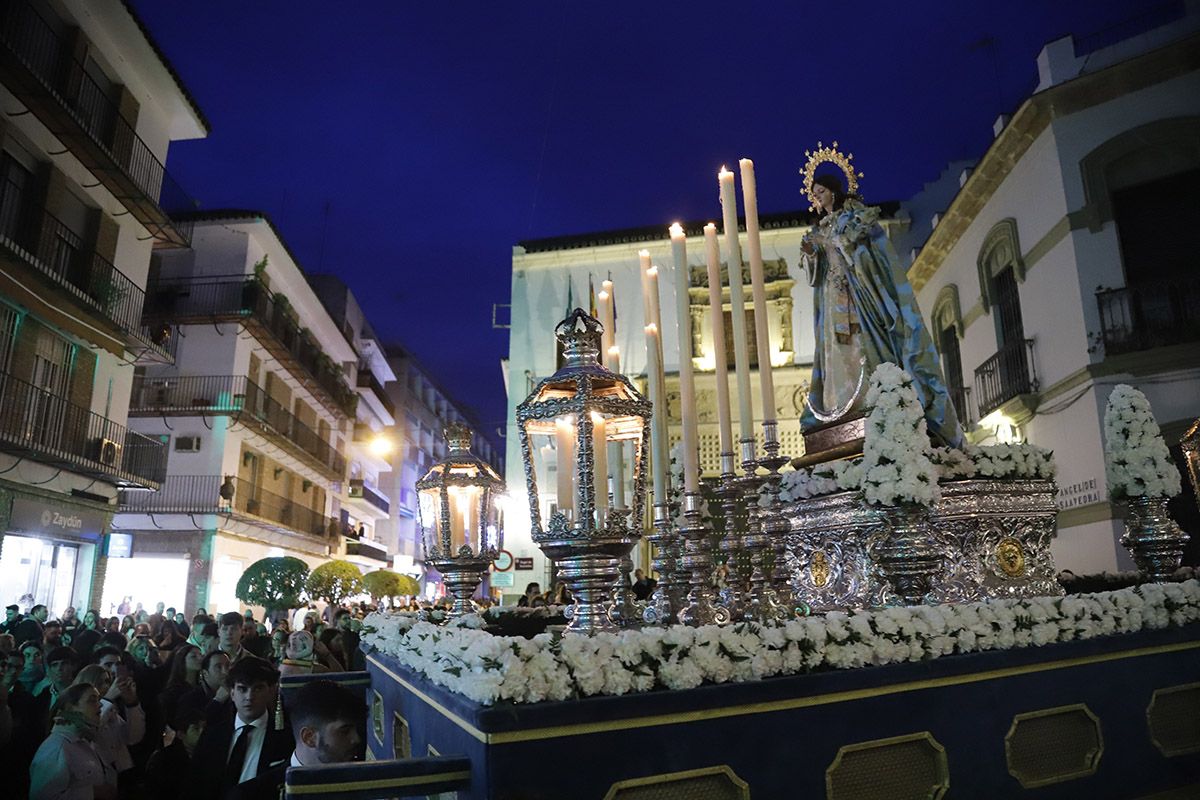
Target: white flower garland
896, 469
995, 462
490, 669
1136, 460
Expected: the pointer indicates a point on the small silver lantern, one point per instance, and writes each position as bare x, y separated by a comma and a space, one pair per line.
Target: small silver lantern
573, 417
460, 517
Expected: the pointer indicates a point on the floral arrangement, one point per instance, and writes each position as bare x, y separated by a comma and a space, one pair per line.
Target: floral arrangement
490, 669
1136, 460
996, 462
896, 469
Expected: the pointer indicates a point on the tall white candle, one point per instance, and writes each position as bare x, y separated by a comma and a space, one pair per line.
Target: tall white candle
733, 255
564, 441
762, 327
644, 266
712, 252
687, 383
604, 308
600, 467
616, 450
658, 447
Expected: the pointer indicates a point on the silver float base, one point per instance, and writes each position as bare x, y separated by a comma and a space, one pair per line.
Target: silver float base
993, 537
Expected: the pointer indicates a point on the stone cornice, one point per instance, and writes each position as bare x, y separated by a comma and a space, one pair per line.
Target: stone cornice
1028, 123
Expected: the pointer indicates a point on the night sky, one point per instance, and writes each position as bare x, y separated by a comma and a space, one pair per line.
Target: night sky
408, 146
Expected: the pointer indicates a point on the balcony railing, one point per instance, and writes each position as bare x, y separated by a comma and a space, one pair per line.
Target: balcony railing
38, 67
365, 548
1150, 315
367, 380
362, 491
1006, 375
240, 398
960, 397
247, 299
201, 494
41, 241
48, 428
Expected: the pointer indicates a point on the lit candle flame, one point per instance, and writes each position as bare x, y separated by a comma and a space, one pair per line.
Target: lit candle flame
676, 230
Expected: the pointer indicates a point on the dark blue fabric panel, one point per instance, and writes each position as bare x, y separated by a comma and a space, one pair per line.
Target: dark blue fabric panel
785, 753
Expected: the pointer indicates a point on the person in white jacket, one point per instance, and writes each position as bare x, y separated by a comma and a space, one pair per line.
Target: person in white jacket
116, 731
66, 765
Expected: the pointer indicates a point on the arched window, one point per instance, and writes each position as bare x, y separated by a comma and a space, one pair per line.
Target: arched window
947, 330
1140, 155
1001, 250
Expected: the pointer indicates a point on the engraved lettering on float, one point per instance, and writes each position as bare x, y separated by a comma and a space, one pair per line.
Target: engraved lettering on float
1078, 494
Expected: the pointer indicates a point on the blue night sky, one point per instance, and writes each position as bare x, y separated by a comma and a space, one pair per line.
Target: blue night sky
440, 134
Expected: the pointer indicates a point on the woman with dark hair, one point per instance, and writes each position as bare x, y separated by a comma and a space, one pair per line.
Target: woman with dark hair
865, 312
168, 636
183, 677
127, 624
66, 764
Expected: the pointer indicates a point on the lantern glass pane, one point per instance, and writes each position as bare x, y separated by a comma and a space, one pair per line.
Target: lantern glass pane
464, 515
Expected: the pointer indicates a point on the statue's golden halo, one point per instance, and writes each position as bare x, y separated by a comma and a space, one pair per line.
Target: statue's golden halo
828, 155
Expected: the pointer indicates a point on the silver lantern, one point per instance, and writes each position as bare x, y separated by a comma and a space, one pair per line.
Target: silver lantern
460, 517
568, 427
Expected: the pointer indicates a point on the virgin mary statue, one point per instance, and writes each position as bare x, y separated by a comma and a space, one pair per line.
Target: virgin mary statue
865, 312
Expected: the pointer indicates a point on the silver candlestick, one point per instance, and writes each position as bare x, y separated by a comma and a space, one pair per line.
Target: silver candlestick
660, 610
700, 608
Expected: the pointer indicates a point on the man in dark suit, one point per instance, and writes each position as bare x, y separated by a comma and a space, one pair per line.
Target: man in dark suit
242, 742
328, 725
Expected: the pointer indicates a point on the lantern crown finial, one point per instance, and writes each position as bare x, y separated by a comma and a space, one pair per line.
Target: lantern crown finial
580, 336
458, 437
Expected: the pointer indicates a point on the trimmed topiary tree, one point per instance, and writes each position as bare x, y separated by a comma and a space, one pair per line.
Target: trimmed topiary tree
276, 584
384, 583
334, 581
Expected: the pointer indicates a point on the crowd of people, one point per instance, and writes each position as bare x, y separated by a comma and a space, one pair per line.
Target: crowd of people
150, 705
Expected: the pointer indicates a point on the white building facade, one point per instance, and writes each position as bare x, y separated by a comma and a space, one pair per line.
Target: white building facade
91, 107
257, 412
1065, 265
364, 509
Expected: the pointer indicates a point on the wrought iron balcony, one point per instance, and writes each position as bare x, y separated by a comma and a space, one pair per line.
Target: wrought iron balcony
1007, 374
38, 67
45, 427
246, 299
960, 396
366, 548
360, 490
367, 380
1150, 315
39, 240
201, 494
237, 397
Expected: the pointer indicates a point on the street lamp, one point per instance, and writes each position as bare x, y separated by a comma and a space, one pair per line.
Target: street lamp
572, 421
460, 517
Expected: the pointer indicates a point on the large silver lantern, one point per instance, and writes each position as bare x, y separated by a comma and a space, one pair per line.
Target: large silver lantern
460, 517
582, 430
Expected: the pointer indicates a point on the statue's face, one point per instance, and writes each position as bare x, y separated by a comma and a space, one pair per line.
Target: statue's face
823, 196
